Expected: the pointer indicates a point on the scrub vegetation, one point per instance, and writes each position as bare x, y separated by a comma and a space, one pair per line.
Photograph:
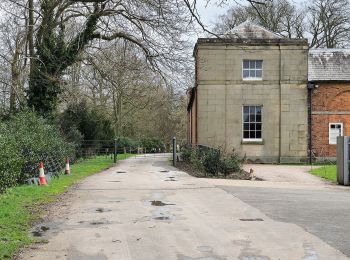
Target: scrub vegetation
204, 161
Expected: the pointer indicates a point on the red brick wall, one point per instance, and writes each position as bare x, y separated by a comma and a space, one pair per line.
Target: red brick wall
330, 98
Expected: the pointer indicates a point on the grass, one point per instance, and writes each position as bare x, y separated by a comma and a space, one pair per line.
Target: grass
328, 172
21, 206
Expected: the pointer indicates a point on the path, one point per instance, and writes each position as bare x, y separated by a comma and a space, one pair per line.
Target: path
110, 216
285, 173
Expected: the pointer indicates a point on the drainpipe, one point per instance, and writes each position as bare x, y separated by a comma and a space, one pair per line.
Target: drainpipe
280, 105
310, 87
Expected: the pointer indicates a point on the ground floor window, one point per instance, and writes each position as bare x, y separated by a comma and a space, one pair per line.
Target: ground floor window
335, 129
252, 123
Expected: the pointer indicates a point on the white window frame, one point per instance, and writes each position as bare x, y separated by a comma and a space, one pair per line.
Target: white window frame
252, 139
252, 78
329, 132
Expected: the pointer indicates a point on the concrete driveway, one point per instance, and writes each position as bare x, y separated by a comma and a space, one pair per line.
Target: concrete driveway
144, 209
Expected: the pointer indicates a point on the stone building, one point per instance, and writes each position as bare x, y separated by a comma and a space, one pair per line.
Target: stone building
250, 95
329, 76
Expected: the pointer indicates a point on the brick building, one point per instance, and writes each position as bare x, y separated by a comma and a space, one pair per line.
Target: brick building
329, 91
251, 95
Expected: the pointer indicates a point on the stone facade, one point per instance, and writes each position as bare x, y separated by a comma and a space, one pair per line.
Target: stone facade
221, 93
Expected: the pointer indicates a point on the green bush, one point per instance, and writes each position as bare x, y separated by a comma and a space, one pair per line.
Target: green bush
10, 160
196, 159
153, 145
26, 139
185, 153
92, 124
211, 161
128, 143
230, 163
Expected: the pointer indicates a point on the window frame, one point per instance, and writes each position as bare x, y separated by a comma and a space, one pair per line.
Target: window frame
252, 78
329, 131
261, 122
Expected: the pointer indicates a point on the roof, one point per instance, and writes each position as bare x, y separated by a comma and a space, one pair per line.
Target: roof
249, 30
329, 65
248, 33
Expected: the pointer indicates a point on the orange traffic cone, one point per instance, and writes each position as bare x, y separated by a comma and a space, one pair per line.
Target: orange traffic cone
42, 179
67, 170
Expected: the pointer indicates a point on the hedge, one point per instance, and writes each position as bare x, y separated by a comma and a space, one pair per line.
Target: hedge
26, 139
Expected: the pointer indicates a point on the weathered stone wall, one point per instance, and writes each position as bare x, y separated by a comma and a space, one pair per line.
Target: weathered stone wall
330, 104
222, 94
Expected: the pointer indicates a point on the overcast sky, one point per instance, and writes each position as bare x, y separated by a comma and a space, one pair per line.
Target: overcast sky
210, 12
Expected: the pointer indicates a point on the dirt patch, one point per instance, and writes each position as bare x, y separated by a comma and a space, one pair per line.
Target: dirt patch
242, 175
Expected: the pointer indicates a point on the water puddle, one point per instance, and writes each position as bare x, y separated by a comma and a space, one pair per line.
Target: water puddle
101, 210
251, 219
159, 203
97, 223
39, 232
162, 218
170, 179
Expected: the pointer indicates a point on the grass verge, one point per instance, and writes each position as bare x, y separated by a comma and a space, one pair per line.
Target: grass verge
328, 172
20, 206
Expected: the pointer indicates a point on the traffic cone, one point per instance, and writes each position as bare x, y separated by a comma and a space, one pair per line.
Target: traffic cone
42, 179
67, 170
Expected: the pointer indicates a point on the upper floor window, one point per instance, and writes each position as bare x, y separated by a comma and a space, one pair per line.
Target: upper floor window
335, 129
252, 69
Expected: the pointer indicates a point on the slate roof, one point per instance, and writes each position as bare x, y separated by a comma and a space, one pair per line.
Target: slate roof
329, 65
249, 30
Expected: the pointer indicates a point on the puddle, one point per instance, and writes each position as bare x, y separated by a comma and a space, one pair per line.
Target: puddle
159, 203
39, 232
170, 179
97, 223
162, 218
251, 219
101, 210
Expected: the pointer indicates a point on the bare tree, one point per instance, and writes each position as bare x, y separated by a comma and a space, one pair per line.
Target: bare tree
279, 16
329, 23
13, 31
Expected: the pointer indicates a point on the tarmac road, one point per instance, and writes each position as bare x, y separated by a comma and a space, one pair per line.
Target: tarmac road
144, 209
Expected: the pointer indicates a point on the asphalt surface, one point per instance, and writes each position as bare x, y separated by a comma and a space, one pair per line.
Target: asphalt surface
144, 209
324, 213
